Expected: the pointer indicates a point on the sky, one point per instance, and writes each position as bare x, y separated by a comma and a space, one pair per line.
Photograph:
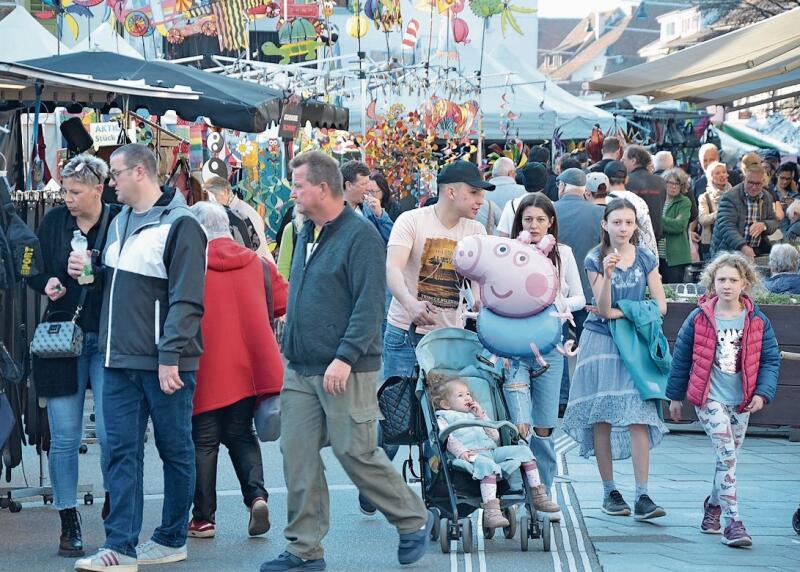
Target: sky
573, 8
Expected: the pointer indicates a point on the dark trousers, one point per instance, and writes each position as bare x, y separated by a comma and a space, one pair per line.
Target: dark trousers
671, 274
233, 427
130, 396
579, 317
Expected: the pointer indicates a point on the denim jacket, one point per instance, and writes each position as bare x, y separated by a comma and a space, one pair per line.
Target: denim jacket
383, 223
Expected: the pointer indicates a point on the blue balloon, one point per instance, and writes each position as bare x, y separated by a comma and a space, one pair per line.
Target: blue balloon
512, 337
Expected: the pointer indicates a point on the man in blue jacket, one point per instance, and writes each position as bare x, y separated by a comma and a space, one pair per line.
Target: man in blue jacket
355, 175
333, 348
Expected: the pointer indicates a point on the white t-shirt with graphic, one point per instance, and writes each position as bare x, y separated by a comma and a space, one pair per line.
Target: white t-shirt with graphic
726, 373
430, 274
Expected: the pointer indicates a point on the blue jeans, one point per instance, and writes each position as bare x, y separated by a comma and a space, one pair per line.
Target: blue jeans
535, 402
399, 360
65, 415
130, 397
580, 317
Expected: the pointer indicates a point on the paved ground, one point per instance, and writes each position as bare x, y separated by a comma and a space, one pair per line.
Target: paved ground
587, 539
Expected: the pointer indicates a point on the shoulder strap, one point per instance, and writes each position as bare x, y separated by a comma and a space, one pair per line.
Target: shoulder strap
708, 202
268, 289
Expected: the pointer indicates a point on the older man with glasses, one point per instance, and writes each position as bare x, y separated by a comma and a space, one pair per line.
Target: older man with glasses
746, 217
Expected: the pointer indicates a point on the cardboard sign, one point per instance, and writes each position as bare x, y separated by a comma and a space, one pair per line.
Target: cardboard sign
104, 134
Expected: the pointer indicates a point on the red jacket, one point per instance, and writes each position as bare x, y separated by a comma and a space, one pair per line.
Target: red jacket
241, 357
695, 347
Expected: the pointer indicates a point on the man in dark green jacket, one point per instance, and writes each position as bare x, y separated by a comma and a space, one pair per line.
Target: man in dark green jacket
746, 217
333, 347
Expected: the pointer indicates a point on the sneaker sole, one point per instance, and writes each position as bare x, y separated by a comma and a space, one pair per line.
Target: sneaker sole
623, 512
104, 568
259, 520
711, 531
202, 533
164, 559
655, 514
738, 543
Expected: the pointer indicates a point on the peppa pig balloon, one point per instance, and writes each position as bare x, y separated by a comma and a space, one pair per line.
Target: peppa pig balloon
519, 284
516, 280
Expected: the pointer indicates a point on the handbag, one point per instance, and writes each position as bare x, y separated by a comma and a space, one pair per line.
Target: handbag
399, 406
267, 414
64, 339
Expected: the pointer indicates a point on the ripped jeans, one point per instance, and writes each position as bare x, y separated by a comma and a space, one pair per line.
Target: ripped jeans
535, 402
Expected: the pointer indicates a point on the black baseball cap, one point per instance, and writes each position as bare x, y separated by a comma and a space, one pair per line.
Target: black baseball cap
615, 170
463, 172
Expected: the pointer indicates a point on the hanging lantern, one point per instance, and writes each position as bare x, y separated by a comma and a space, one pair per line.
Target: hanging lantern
357, 26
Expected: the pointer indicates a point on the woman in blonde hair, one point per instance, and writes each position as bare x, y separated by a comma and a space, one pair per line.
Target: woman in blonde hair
708, 203
726, 363
64, 381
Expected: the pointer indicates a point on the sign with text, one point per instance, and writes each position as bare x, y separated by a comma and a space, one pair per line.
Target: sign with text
104, 134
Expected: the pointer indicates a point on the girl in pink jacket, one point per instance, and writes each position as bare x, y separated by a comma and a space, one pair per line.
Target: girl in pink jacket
726, 362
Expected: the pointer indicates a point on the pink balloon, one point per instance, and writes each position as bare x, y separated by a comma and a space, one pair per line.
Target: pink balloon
460, 31
457, 6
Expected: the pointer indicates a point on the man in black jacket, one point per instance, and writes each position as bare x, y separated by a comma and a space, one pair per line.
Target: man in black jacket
333, 348
651, 188
153, 277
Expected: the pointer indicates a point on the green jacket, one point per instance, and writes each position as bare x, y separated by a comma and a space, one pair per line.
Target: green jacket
675, 223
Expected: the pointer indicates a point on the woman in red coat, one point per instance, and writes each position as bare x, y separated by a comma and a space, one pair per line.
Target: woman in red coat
241, 364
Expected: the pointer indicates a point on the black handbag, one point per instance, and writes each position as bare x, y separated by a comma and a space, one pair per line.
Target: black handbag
399, 405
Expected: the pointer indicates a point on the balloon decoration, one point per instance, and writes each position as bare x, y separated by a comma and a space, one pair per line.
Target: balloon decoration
460, 31
357, 26
385, 14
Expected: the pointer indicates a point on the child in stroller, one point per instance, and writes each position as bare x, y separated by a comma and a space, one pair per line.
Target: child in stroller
476, 448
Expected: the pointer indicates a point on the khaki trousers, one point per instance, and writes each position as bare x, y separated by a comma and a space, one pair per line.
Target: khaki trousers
312, 419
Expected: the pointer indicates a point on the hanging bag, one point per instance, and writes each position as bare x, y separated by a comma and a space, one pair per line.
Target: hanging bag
267, 414
397, 400
53, 340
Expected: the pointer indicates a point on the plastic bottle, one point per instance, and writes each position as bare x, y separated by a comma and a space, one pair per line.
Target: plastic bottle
79, 244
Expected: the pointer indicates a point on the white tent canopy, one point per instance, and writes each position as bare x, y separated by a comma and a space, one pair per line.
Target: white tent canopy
24, 38
757, 58
105, 39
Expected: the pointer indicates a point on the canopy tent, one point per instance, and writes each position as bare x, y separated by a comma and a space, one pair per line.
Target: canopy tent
752, 137
759, 57
225, 101
105, 39
18, 84
25, 38
539, 104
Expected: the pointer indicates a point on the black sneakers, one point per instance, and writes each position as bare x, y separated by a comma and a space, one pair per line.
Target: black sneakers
615, 505
645, 509
365, 506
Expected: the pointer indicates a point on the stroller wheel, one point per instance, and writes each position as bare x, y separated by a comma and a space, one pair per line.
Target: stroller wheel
546, 534
796, 521
435, 527
488, 533
511, 514
524, 532
444, 535
466, 534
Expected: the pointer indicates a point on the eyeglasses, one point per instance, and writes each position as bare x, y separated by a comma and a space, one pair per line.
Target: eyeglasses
91, 169
115, 174
674, 183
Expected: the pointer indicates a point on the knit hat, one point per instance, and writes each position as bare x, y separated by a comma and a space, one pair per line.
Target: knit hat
534, 177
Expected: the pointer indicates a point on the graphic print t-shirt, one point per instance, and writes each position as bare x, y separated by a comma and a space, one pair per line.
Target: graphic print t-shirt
430, 274
726, 373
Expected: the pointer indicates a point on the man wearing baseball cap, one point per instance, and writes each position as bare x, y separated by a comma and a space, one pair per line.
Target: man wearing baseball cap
597, 184
426, 290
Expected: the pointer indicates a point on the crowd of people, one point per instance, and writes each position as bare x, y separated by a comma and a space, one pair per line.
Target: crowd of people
180, 323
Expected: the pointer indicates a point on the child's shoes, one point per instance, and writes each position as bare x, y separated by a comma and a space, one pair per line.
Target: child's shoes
541, 501
711, 516
493, 516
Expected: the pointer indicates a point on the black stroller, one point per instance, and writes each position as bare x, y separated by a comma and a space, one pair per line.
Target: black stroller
450, 493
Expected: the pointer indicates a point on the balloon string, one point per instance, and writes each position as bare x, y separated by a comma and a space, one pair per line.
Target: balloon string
430, 43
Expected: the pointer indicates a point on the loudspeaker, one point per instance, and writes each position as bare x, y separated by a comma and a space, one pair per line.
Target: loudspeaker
78, 140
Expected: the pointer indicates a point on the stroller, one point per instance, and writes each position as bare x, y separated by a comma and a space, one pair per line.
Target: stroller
449, 492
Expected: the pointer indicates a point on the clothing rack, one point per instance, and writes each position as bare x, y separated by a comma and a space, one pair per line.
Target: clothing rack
22, 310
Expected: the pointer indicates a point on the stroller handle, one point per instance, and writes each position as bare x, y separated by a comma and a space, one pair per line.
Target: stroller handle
790, 356
477, 423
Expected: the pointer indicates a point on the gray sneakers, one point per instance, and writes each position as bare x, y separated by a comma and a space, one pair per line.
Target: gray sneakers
151, 552
645, 509
615, 505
